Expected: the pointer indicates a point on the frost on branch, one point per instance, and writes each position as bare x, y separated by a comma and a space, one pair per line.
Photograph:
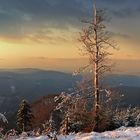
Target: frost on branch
3, 118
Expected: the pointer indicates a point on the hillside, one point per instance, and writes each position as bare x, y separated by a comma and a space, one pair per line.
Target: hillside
35, 83
131, 95
122, 80
32, 84
42, 108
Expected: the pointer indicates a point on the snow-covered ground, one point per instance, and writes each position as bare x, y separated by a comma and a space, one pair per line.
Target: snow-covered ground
119, 134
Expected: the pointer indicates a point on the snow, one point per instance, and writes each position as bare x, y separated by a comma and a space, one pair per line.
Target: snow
122, 133
3, 118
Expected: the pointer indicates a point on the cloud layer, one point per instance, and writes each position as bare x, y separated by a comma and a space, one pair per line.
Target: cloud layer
19, 18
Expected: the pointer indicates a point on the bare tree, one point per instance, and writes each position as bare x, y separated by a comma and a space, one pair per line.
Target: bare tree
96, 41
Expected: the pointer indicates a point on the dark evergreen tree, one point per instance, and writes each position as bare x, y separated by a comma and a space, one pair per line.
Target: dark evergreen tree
130, 120
24, 117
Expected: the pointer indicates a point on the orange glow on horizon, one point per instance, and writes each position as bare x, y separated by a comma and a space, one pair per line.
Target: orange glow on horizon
59, 44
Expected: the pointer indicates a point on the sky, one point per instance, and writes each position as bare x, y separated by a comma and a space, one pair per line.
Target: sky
44, 33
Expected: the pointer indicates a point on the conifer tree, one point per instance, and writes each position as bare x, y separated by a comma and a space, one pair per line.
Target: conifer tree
24, 117
130, 120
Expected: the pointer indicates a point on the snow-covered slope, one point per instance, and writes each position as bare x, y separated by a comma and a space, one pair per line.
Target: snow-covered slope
119, 134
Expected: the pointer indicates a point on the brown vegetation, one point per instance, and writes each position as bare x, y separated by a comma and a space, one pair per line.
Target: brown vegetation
42, 109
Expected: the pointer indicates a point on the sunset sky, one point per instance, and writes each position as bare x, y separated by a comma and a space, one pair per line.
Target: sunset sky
44, 33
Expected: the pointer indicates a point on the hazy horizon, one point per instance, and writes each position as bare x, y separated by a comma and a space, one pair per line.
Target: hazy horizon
69, 65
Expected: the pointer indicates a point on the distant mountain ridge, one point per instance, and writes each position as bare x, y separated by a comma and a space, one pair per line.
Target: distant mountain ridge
122, 80
34, 83
31, 84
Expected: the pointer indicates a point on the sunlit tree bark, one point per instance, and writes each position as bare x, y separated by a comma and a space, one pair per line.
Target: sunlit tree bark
96, 41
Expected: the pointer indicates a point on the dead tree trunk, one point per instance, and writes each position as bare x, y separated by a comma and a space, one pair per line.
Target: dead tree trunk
96, 41
96, 73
